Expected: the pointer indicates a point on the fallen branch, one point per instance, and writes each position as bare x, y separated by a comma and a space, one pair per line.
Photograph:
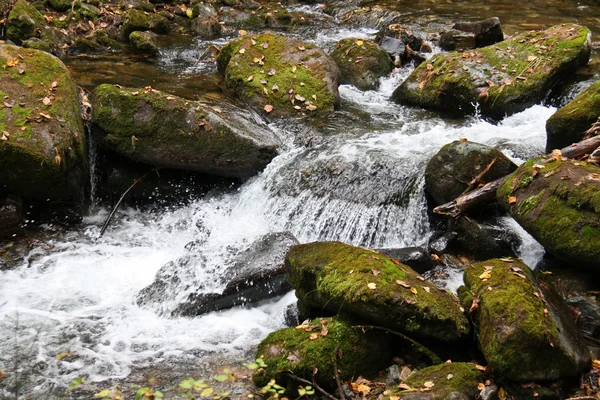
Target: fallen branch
112, 213
313, 383
430, 354
487, 193
475, 182
336, 372
593, 131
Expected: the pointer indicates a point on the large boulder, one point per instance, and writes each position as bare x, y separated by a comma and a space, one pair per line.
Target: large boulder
362, 62
342, 278
254, 274
568, 124
42, 137
23, 22
313, 346
498, 80
487, 31
524, 331
456, 164
558, 203
168, 131
280, 74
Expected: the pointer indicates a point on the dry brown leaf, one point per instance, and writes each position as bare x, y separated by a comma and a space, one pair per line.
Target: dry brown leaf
46, 101
324, 330
480, 367
427, 289
512, 200
480, 386
402, 283
375, 271
404, 386
268, 108
372, 285
313, 336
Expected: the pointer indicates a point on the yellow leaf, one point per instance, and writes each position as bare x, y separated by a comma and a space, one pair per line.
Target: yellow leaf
359, 43
512, 200
207, 392
242, 32
242, 51
372, 286
313, 336
189, 12
413, 290
486, 275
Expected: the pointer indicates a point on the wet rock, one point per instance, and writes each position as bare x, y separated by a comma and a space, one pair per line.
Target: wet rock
291, 76
485, 237
134, 20
394, 47
144, 42
361, 62
23, 22
454, 39
255, 274
341, 278
60, 5
167, 131
271, 15
559, 206
417, 258
11, 215
205, 22
401, 33
393, 377
497, 80
450, 380
587, 311
291, 315
487, 32
489, 393
456, 164
568, 124
43, 156
524, 332
303, 351
158, 23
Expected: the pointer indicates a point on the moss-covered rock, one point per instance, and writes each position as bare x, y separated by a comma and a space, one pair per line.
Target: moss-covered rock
559, 206
361, 282
361, 62
134, 20
313, 345
498, 80
290, 75
60, 5
167, 131
268, 14
446, 378
144, 42
23, 22
456, 164
523, 331
43, 154
568, 124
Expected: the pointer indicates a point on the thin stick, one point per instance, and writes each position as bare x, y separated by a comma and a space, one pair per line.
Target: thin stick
138, 180
307, 382
479, 178
338, 381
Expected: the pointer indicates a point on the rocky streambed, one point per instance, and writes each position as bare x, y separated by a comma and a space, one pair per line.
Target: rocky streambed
282, 163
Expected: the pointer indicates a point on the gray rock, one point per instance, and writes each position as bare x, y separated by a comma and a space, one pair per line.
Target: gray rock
487, 32
457, 40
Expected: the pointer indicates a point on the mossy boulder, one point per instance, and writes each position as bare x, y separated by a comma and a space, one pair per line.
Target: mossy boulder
501, 79
559, 206
42, 155
135, 20
168, 131
266, 15
456, 164
292, 76
313, 345
568, 124
446, 378
23, 22
362, 62
342, 278
60, 5
524, 331
144, 42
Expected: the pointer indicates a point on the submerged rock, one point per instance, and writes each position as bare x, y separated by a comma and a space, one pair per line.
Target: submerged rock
456, 164
342, 278
362, 62
23, 22
255, 274
523, 331
168, 131
568, 124
485, 236
498, 80
42, 146
448, 379
312, 347
280, 74
558, 203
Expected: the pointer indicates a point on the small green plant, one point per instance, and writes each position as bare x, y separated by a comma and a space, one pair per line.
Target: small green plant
305, 391
108, 394
190, 386
76, 382
147, 393
273, 388
259, 363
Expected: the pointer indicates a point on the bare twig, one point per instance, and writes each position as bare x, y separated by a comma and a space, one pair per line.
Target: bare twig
475, 182
593, 131
307, 382
112, 213
336, 372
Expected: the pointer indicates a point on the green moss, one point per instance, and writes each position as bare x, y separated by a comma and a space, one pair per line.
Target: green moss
306, 79
23, 21
529, 204
336, 276
447, 378
134, 20
292, 349
362, 65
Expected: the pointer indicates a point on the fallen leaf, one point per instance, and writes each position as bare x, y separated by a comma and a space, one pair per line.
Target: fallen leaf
359, 43
275, 88
531, 58
293, 69
265, 45
480, 367
293, 358
268, 108
462, 139
474, 305
427, 289
450, 376
372, 285
313, 336
512, 200
242, 50
410, 300
429, 384
480, 386
242, 32
413, 290
170, 98
250, 78
324, 330
486, 275
45, 115
266, 91
402, 283
404, 386
375, 271
272, 72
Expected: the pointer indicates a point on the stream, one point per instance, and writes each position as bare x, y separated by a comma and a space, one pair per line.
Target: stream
358, 180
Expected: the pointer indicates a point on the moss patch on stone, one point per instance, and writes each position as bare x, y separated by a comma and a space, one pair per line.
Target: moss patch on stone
557, 206
288, 74
301, 350
361, 282
362, 62
23, 21
500, 79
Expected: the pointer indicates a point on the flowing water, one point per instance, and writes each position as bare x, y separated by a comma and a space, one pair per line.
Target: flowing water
358, 180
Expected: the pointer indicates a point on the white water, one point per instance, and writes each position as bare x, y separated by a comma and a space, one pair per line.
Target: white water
79, 296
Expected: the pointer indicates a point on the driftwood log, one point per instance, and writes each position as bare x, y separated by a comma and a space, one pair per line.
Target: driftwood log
487, 192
